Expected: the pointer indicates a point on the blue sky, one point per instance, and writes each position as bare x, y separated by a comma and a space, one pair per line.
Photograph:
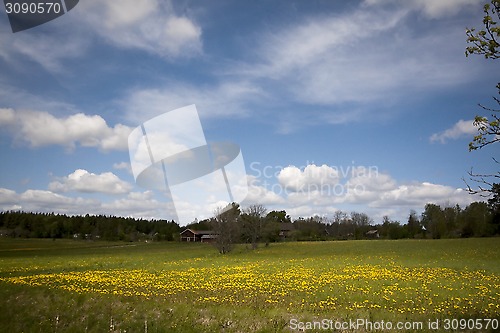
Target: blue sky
314, 92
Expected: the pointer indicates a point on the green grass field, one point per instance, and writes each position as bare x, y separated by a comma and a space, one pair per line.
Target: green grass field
79, 286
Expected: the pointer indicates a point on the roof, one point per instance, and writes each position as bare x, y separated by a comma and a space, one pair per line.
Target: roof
208, 236
286, 227
200, 232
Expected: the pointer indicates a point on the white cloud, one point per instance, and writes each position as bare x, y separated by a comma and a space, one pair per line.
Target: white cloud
9, 200
149, 25
21, 99
431, 8
39, 48
358, 57
126, 12
419, 194
115, 138
312, 178
135, 204
47, 201
39, 197
311, 41
356, 188
463, 128
218, 100
369, 178
7, 117
83, 181
38, 129
355, 65
258, 194
375, 193
180, 31
123, 166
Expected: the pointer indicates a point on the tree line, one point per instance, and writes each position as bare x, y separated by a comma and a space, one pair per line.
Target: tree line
254, 225
90, 227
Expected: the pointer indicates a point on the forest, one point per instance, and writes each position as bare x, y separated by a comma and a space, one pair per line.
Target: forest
255, 225
88, 227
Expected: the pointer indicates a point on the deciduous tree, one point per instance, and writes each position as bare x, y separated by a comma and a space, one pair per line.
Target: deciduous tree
224, 224
486, 42
253, 223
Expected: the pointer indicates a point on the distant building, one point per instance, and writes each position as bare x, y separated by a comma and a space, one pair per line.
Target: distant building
286, 229
5, 232
202, 236
373, 234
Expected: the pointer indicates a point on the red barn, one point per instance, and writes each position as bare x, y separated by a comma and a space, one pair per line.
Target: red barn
202, 236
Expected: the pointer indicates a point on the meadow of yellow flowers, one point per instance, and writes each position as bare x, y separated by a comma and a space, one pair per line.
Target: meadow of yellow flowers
459, 279
300, 284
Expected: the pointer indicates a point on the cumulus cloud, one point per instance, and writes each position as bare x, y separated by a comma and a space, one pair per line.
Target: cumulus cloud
45, 201
315, 190
375, 193
9, 200
134, 204
258, 194
312, 178
83, 181
419, 194
463, 128
38, 129
123, 166
137, 204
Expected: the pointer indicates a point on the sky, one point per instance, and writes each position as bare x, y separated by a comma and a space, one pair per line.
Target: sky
360, 106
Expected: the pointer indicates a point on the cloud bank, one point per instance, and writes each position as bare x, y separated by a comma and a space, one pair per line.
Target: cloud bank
322, 190
83, 181
39, 128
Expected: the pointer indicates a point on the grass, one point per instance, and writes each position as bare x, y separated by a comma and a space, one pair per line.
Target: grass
79, 286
